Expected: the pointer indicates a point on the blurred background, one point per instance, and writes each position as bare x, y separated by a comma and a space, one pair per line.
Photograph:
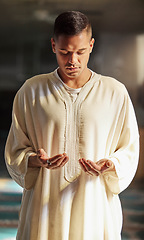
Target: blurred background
26, 27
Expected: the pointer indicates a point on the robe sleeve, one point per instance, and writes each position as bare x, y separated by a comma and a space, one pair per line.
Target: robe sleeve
19, 147
126, 154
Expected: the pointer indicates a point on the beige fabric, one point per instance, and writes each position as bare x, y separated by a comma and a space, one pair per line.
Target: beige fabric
68, 204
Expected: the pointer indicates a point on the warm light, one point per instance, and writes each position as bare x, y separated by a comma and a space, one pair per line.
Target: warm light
140, 58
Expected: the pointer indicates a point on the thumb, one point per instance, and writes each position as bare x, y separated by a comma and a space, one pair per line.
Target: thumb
108, 163
40, 152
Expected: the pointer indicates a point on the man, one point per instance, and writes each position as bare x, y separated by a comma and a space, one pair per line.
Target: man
73, 144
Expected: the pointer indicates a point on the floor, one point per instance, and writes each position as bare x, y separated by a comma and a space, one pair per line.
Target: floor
132, 201
10, 199
133, 212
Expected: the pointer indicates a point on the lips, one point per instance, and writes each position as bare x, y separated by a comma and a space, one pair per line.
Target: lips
72, 68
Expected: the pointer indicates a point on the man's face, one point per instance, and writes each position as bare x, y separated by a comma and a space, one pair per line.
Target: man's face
72, 54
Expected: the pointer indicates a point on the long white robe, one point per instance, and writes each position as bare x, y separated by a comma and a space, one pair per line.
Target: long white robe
67, 204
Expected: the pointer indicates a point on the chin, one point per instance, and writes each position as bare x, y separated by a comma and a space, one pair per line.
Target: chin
72, 75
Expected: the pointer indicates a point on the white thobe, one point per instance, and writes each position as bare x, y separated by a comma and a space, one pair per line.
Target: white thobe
67, 204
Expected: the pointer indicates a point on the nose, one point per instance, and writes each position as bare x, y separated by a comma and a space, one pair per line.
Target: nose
72, 58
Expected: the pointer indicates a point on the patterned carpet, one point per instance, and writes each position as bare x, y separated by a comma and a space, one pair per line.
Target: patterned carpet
132, 201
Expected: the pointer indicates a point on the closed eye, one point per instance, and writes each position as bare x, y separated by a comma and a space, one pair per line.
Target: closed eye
63, 52
81, 52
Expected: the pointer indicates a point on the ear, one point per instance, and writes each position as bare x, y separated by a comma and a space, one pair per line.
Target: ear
53, 45
92, 41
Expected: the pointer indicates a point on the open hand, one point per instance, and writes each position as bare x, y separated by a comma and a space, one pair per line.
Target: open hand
93, 168
41, 159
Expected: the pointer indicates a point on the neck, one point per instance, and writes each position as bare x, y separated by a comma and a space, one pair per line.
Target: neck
77, 82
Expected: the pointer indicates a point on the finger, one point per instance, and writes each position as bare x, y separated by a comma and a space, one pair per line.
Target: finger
40, 151
84, 167
64, 161
81, 161
60, 163
93, 165
109, 163
57, 157
56, 160
101, 162
91, 169
42, 155
108, 166
87, 164
94, 172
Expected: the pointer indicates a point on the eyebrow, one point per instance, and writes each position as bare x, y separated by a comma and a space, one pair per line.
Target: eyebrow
82, 49
63, 49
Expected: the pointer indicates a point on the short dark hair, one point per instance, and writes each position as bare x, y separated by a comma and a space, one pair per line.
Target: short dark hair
71, 23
